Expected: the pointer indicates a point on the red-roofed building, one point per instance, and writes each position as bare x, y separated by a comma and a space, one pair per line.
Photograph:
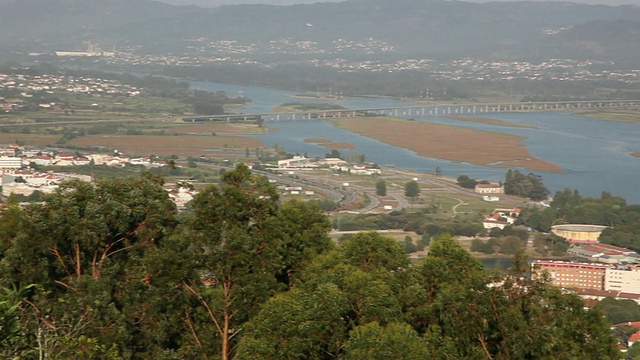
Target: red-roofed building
501, 218
633, 338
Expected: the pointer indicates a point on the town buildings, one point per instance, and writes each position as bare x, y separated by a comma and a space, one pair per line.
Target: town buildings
591, 280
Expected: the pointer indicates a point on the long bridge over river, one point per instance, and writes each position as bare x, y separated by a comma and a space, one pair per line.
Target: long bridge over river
424, 110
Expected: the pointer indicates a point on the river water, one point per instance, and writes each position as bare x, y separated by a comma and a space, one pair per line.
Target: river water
595, 154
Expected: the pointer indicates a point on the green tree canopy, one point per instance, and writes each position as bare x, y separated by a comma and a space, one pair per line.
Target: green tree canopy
381, 188
411, 189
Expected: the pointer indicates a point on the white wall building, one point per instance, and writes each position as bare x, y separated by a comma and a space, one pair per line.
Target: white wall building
9, 162
489, 189
296, 161
624, 280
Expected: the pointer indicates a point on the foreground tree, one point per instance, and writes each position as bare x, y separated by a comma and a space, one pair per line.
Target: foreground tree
248, 250
81, 247
354, 284
365, 301
393, 341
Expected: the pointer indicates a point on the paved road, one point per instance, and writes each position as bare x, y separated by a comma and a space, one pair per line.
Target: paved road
337, 195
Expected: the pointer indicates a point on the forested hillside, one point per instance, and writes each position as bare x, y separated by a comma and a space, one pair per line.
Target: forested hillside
111, 271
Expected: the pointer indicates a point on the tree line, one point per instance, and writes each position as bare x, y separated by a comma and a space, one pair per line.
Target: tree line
515, 183
110, 271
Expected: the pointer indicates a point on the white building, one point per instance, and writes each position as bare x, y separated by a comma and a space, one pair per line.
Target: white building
25, 189
623, 280
10, 162
296, 161
489, 189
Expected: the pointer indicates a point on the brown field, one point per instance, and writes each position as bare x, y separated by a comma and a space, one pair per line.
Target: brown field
166, 145
449, 142
29, 139
491, 121
220, 128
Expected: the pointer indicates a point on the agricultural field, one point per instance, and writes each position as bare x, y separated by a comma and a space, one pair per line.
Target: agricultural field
181, 145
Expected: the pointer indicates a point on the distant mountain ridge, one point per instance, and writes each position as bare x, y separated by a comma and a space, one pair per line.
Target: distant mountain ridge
415, 28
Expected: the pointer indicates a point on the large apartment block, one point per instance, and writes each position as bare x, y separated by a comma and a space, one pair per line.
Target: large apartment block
571, 275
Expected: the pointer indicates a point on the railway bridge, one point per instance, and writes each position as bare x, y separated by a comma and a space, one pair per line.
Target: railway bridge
422, 110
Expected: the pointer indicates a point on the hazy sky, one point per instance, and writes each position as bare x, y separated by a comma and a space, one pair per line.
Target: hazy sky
289, 2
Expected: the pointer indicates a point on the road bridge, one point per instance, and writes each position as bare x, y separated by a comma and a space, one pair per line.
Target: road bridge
422, 110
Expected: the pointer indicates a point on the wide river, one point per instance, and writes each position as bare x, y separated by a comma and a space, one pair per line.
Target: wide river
595, 154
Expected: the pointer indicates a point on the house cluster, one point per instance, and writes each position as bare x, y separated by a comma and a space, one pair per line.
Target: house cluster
19, 178
16, 157
633, 338
10, 104
26, 182
25, 86
591, 280
204, 50
500, 218
336, 164
180, 195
